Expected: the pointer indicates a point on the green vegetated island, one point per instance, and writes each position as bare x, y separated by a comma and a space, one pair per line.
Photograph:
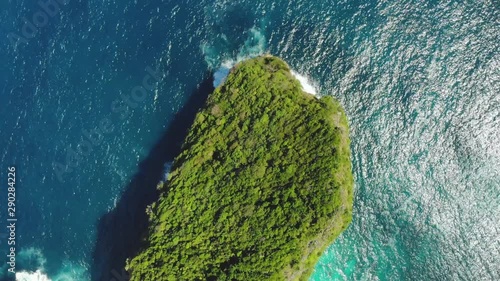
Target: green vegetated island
262, 186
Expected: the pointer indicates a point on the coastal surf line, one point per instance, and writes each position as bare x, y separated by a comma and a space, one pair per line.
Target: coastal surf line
39, 19
121, 109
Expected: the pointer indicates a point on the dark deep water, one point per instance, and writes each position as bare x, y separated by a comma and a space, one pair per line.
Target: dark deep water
420, 82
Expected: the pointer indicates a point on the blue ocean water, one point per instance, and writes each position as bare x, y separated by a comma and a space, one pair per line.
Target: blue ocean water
420, 82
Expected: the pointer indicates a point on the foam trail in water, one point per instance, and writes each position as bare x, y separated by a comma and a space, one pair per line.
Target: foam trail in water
166, 170
254, 46
34, 260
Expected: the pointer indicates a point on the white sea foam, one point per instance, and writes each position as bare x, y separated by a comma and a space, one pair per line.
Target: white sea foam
33, 256
35, 260
307, 84
32, 276
223, 71
254, 45
166, 170
221, 74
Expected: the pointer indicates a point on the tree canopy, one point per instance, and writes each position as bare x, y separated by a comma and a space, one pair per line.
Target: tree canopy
262, 186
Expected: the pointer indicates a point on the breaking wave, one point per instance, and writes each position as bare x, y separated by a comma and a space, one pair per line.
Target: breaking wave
33, 263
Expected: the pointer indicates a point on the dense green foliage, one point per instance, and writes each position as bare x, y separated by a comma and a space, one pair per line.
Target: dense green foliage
262, 186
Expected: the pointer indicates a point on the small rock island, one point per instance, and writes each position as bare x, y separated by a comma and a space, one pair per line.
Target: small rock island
262, 186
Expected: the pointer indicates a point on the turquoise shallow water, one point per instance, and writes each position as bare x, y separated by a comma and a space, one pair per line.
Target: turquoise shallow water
419, 81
